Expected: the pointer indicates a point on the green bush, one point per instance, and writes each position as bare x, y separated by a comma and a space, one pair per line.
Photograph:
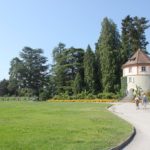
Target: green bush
107, 96
82, 95
62, 96
15, 98
90, 96
44, 95
27, 92
86, 95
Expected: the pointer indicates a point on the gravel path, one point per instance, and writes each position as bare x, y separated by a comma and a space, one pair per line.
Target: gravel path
140, 119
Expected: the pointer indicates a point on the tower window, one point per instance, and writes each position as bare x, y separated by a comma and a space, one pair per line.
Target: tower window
130, 69
143, 68
133, 80
130, 79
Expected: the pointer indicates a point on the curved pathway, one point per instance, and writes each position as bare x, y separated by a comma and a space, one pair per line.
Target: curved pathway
140, 119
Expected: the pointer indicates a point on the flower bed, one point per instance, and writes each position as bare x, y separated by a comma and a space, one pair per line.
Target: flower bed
85, 100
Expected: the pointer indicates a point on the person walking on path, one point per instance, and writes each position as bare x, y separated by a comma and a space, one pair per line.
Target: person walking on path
137, 101
144, 101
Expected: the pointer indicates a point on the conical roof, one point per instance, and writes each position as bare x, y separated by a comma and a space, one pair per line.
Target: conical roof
139, 58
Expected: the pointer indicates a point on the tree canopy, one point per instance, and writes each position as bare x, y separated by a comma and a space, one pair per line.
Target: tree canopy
109, 55
29, 71
133, 35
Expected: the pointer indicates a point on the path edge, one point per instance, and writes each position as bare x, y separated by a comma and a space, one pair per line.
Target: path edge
128, 140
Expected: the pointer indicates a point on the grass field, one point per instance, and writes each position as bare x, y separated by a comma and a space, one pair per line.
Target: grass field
59, 126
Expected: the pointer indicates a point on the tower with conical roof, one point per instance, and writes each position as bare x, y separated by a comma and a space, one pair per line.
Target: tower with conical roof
137, 71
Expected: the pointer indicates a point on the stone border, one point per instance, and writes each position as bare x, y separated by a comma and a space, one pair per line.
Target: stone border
126, 142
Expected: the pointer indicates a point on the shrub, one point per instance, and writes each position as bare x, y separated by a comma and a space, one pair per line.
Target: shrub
107, 96
44, 95
85, 95
15, 98
90, 96
27, 92
62, 96
82, 95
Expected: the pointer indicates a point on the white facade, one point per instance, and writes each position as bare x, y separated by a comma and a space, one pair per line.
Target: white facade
137, 75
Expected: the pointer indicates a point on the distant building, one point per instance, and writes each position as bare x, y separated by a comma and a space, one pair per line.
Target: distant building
137, 72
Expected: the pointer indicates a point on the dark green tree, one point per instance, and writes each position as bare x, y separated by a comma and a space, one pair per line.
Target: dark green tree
29, 71
67, 63
4, 87
36, 68
17, 72
13, 87
133, 36
51, 86
109, 53
74, 65
78, 84
58, 70
98, 76
89, 70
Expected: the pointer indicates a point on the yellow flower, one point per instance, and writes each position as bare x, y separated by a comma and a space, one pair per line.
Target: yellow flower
85, 100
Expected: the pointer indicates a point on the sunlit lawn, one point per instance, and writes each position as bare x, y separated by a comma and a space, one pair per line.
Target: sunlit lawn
59, 126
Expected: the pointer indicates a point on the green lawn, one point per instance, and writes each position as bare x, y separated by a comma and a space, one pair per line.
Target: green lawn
59, 126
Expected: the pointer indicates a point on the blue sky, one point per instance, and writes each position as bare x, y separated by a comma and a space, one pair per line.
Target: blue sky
45, 23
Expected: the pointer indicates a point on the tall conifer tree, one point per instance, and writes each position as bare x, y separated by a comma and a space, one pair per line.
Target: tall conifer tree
68, 62
89, 70
108, 50
133, 36
78, 84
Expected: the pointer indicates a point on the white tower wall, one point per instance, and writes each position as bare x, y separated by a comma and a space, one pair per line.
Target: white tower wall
142, 81
135, 76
